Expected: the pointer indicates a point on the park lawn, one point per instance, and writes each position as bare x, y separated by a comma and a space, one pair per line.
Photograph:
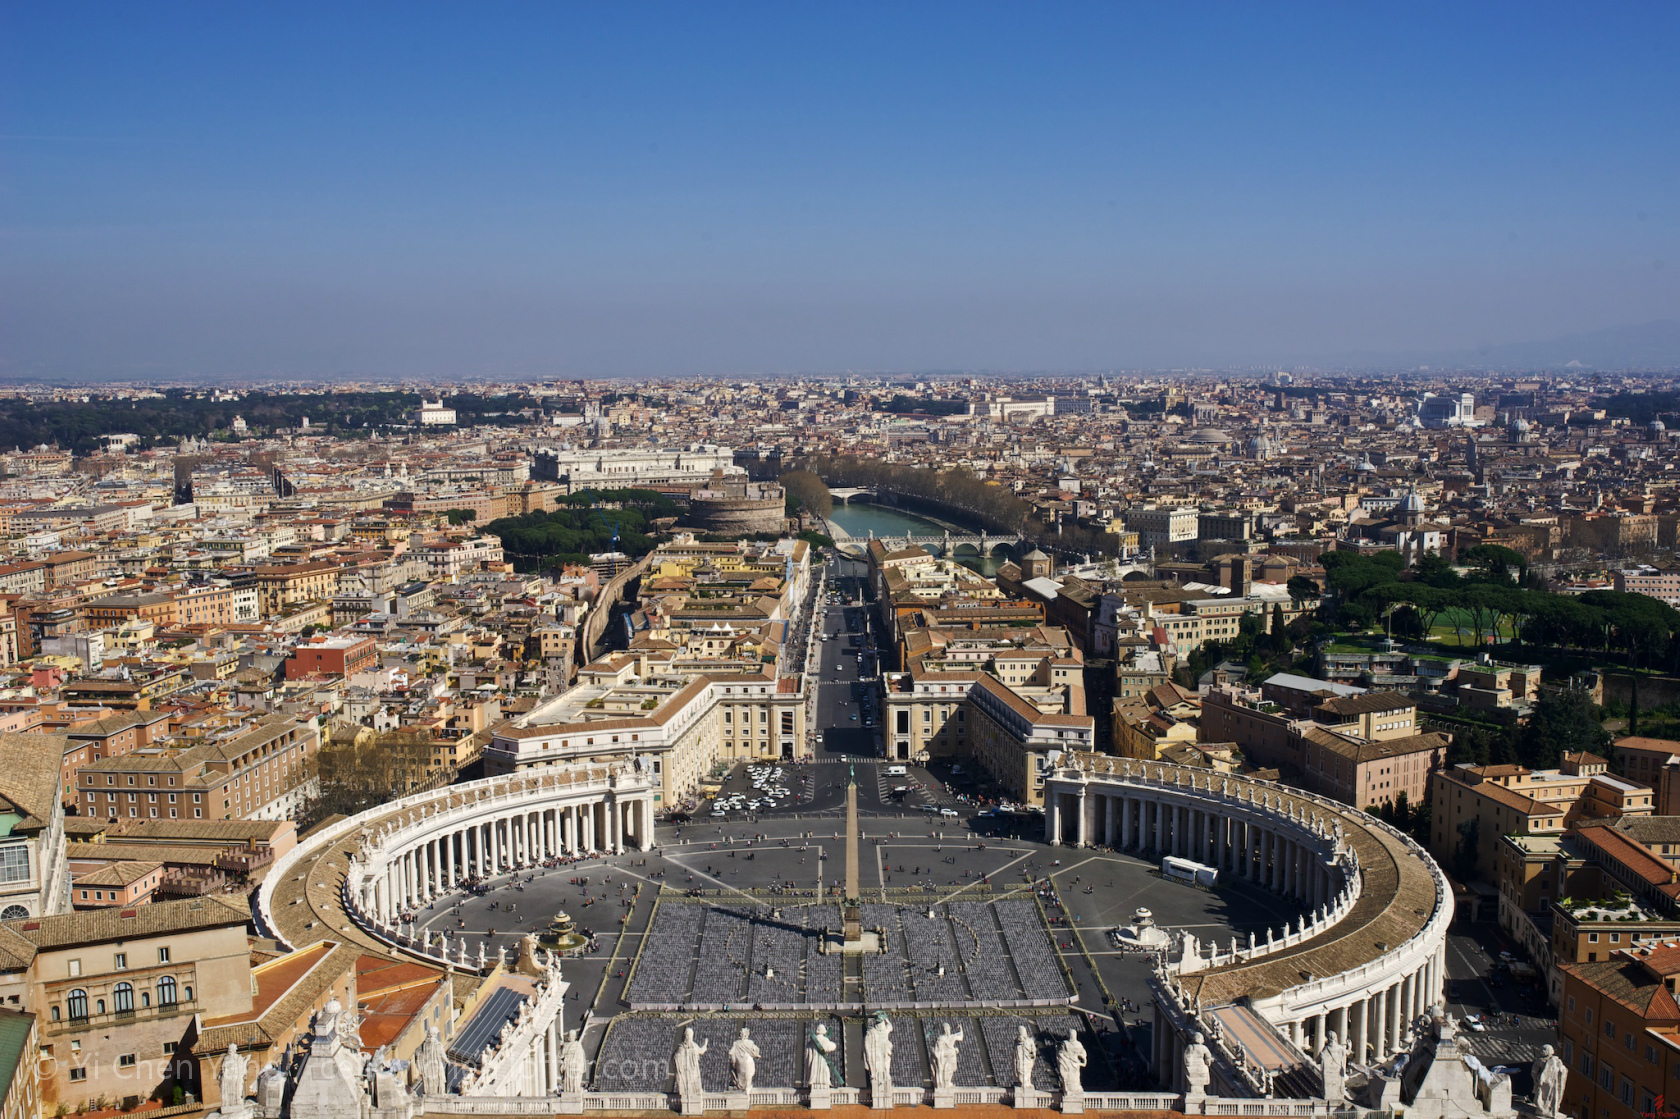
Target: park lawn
1448, 623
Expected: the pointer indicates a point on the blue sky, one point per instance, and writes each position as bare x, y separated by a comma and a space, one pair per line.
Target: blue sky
586, 189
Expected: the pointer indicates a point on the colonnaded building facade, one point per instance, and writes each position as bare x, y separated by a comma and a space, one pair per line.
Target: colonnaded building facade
1336, 1014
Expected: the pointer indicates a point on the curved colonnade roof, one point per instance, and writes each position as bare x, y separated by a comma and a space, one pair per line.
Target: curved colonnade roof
1397, 898
308, 905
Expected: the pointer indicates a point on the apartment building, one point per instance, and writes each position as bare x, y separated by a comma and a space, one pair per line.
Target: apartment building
260, 771
1490, 685
279, 588
987, 701
1361, 748
1157, 528
218, 605
1653, 762
116, 991
682, 722
451, 559
109, 736
158, 607
332, 655
1651, 581
1473, 806
1619, 1032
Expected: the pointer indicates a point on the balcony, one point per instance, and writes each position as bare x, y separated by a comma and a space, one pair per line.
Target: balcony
121, 1017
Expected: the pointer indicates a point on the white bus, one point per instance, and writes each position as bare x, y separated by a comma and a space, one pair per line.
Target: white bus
1184, 870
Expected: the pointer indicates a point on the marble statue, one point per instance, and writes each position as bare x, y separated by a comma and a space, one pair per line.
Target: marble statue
743, 1060
689, 1089
1026, 1055
877, 1055
945, 1057
428, 1061
1549, 1072
231, 1081
818, 1063
572, 1065
1332, 1060
1198, 1067
1070, 1059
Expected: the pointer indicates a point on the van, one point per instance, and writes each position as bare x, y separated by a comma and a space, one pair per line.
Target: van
896, 771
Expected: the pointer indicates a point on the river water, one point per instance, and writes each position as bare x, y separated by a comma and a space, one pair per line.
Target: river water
860, 518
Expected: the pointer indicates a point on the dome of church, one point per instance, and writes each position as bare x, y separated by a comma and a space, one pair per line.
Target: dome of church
1411, 503
1366, 466
1656, 427
1210, 435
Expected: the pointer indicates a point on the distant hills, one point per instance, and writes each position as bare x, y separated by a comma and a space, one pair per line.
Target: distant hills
1644, 346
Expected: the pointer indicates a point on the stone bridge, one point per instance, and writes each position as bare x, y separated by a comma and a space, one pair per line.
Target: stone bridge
844, 494
947, 544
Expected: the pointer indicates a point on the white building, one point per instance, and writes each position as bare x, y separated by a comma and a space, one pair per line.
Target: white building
1159, 527
432, 413
1447, 411
620, 469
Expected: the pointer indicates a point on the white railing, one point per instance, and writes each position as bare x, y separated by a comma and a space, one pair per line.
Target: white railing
783, 1098
476, 796
1224, 795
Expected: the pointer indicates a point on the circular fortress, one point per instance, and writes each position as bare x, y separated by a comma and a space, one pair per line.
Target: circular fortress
730, 507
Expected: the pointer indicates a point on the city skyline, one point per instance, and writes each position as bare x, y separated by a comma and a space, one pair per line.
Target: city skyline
542, 192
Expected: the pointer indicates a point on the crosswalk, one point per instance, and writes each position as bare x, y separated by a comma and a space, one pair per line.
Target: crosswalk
1498, 1049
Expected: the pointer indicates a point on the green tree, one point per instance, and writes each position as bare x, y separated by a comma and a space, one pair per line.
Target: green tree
1495, 563
1301, 589
808, 491
1562, 722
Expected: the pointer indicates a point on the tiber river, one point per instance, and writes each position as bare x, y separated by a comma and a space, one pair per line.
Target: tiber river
860, 518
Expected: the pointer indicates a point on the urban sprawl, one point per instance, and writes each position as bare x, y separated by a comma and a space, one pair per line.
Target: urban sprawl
1263, 745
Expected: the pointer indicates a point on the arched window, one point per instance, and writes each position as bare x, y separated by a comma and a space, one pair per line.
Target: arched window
13, 913
145, 999
55, 1012
122, 999
187, 992
76, 1004
166, 991
99, 1006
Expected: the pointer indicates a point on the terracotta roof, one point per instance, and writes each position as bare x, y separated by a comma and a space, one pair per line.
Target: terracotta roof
1628, 983
118, 874
96, 925
283, 989
31, 773
1395, 904
1367, 703
1636, 857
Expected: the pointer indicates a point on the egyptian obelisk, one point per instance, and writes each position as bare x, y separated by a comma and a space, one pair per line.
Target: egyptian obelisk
850, 912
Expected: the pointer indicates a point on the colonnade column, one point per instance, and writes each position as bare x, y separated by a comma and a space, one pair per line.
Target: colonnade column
1082, 835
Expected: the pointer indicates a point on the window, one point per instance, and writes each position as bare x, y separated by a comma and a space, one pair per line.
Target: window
119, 961
75, 967
123, 998
14, 864
78, 1074
168, 1048
163, 955
166, 991
76, 1004
13, 913
125, 1060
